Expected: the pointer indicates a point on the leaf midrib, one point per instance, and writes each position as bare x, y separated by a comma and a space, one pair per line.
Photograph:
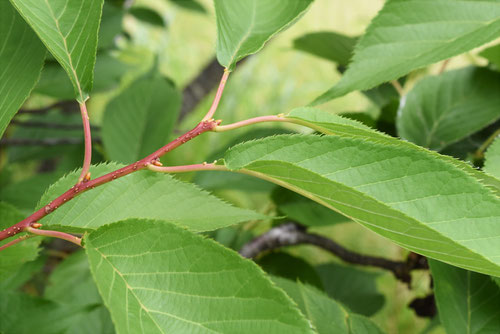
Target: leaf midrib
68, 54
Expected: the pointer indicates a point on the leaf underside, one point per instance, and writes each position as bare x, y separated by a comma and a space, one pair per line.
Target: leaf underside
407, 194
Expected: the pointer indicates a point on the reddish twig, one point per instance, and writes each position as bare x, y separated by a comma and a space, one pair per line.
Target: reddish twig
218, 96
78, 189
55, 234
87, 159
261, 119
187, 168
13, 242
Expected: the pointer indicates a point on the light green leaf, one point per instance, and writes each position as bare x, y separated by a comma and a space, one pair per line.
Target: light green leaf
437, 111
326, 314
23, 314
467, 302
303, 210
409, 195
333, 124
173, 281
13, 257
21, 60
492, 159
409, 34
328, 45
69, 30
142, 194
244, 26
140, 120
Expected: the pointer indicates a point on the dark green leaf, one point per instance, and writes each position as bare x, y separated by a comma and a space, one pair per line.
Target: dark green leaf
326, 315
139, 120
467, 302
13, 257
21, 60
493, 55
328, 45
492, 159
23, 314
148, 16
304, 210
437, 111
291, 267
354, 288
190, 5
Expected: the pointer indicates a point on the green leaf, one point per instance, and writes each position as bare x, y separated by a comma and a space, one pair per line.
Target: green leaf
140, 120
73, 272
290, 267
414, 197
147, 15
13, 257
303, 210
69, 30
173, 281
467, 302
21, 60
332, 124
492, 159
328, 45
243, 27
142, 194
437, 111
23, 274
71, 284
354, 288
193, 5
111, 24
326, 314
23, 314
493, 55
409, 34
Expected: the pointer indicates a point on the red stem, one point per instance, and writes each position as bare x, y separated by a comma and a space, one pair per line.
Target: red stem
187, 168
88, 143
56, 234
78, 189
260, 119
218, 95
13, 242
